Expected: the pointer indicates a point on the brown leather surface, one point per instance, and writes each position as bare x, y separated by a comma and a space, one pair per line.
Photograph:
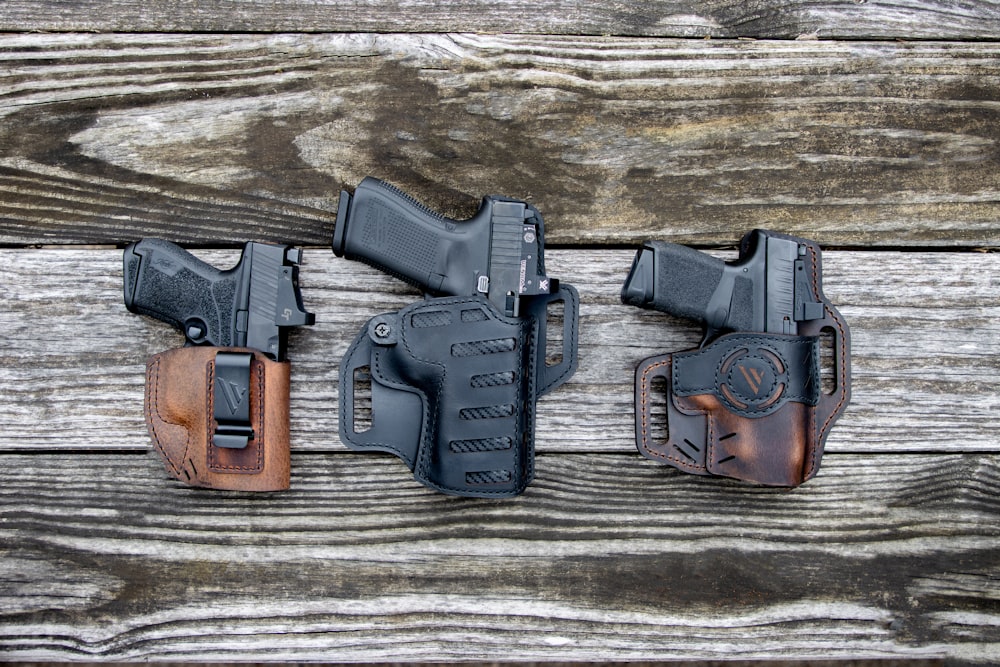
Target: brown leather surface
704, 437
769, 450
686, 445
179, 409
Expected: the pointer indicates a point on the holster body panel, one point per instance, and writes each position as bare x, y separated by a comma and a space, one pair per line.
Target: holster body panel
182, 388
750, 406
453, 389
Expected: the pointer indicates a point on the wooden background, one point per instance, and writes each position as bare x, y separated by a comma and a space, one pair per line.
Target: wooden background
871, 127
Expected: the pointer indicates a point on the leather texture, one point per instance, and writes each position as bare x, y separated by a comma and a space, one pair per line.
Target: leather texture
181, 391
748, 405
453, 389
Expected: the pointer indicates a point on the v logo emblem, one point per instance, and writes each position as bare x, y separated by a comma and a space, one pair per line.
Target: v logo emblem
233, 393
753, 376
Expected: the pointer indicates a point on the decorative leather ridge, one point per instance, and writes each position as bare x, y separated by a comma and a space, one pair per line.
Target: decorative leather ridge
749, 406
453, 389
182, 391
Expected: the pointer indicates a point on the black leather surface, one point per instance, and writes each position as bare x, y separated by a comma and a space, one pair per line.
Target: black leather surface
751, 374
453, 389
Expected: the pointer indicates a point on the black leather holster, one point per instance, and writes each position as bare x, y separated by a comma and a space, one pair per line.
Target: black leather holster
453, 389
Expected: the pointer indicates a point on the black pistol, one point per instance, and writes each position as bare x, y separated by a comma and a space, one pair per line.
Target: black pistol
749, 402
766, 290
497, 253
250, 305
454, 378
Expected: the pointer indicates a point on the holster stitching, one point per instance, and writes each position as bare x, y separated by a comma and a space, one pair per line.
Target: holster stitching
841, 361
349, 433
573, 300
531, 353
152, 403
377, 360
430, 420
423, 452
643, 399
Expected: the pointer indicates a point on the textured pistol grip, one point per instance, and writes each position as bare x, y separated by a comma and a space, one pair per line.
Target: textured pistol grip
179, 409
673, 279
453, 390
386, 228
165, 281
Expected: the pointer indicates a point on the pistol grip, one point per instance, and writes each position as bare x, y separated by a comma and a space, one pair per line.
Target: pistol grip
386, 228
165, 281
673, 279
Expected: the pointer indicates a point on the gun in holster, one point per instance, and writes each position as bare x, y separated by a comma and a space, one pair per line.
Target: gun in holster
454, 378
750, 402
217, 409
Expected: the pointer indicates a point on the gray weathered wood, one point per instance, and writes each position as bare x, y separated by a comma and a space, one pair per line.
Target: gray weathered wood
926, 329
213, 139
605, 557
909, 19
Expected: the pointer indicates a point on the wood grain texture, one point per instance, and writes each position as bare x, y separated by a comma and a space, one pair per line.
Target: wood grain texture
213, 139
858, 19
618, 132
926, 355
605, 557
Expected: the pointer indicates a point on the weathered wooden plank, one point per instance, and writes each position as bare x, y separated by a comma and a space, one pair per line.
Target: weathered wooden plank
926, 330
910, 19
209, 139
604, 557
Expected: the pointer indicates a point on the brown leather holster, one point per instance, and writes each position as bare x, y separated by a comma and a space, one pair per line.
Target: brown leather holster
218, 417
750, 406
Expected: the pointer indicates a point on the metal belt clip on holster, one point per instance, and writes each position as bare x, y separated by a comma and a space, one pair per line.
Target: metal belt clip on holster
218, 417
217, 409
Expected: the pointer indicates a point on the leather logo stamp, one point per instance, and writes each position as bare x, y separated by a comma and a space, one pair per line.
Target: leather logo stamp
233, 394
752, 382
753, 375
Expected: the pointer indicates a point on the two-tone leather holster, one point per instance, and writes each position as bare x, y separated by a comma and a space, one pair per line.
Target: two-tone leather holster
453, 387
218, 417
751, 406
